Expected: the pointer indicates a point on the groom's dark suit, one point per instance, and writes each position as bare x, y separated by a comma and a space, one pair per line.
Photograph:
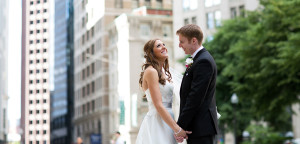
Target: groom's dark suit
197, 99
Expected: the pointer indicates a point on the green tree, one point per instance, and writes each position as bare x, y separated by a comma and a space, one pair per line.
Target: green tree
258, 58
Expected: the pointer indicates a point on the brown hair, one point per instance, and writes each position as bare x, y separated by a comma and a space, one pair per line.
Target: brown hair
151, 60
191, 30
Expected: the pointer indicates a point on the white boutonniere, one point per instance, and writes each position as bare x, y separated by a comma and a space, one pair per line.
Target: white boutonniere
188, 62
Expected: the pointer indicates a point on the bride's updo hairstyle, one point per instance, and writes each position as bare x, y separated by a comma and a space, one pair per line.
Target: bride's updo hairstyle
151, 60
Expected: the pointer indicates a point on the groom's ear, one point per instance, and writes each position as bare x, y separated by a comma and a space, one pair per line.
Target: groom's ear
194, 40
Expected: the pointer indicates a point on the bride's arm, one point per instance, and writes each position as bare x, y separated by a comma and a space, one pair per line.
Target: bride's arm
151, 78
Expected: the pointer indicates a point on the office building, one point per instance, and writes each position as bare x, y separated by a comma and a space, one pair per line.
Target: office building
63, 95
35, 85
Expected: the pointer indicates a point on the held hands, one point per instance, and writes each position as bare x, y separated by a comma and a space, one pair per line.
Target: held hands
181, 134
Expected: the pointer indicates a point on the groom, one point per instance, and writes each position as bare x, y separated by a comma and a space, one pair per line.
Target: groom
197, 91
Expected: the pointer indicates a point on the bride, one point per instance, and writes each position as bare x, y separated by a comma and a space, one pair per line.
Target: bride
158, 126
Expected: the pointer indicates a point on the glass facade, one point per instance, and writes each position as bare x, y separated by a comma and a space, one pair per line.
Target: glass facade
62, 97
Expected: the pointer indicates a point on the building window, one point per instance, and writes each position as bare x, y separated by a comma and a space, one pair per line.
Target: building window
37, 21
45, 20
31, 102
93, 87
209, 3
210, 20
45, 30
44, 121
87, 71
242, 10
82, 40
45, 40
31, 62
232, 12
37, 61
186, 21
37, 81
88, 89
93, 31
31, 32
45, 50
30, 112
194, 20
30, 132
38, 1
37, 111
134, 4
93, 68
31, 12
37, 31
44, 132
83, 22
31, 42
44, 111
37, 122
118, 3
37, 71
218, 18
147, 3
37, 91
30, 91
37, 41
30, 122
167, 31
83, 74
145, 30
37, 132
37, 101
44, 91
159, 4
30, 71
45, 10
31, 22
44, 70
30, 81
83, 91
93, 49
190, 5
38, 11
31, 3
45, 80
44, 60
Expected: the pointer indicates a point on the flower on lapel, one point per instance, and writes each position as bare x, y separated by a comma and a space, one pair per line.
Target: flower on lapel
188, 62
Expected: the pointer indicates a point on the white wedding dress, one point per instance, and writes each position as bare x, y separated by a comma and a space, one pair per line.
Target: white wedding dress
153, 129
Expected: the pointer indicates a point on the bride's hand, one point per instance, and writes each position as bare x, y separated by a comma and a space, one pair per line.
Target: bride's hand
182, 133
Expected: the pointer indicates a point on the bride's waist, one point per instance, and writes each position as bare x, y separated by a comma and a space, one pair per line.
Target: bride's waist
165, 104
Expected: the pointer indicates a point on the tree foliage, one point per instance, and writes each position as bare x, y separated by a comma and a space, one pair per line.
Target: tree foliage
258, 58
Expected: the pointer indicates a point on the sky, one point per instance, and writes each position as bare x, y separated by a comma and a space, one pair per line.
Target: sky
14, 60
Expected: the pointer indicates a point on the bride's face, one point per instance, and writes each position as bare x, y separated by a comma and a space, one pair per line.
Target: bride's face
160, 51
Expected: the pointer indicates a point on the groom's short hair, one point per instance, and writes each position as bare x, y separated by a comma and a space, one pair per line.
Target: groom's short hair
191, 30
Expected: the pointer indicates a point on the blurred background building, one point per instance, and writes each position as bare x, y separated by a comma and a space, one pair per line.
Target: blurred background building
3, 70
127, 36
35, 87
208, 14
63, 95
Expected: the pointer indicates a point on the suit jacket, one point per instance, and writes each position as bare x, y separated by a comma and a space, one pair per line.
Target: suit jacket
197, 97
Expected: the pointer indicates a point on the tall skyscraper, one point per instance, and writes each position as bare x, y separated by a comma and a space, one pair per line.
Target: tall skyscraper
35, 88
3, 69
63, 94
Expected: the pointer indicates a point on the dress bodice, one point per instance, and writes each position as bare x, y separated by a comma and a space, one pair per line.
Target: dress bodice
166, 94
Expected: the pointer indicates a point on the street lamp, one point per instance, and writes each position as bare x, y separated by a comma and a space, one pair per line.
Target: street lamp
234, 101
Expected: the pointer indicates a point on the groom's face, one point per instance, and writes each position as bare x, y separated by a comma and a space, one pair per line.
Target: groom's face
185, 44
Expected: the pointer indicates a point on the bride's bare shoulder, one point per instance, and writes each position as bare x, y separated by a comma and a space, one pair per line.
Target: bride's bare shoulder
150, 72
